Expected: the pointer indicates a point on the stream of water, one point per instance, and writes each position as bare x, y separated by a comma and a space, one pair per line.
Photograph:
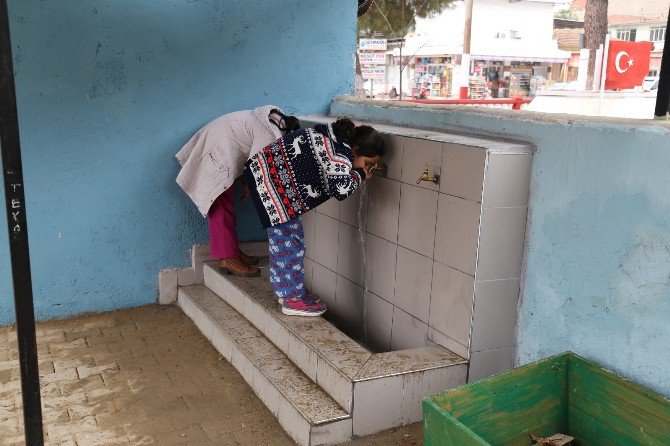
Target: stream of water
362, 204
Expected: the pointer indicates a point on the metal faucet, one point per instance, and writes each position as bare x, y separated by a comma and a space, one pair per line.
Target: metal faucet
425, 177
378, 167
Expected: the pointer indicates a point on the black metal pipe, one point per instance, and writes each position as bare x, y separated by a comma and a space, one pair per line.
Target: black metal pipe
663, 93
18, 239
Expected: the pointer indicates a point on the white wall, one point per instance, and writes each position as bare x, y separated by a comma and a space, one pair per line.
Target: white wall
531, 19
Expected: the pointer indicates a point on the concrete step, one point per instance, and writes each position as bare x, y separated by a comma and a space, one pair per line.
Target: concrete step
379, 390
303, 409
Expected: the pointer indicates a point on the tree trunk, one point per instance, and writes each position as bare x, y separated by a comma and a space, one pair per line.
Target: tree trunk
595, 30
359, 82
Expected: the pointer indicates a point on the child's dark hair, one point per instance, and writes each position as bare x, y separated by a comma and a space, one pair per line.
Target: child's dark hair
344, 129
368, 140
287, 123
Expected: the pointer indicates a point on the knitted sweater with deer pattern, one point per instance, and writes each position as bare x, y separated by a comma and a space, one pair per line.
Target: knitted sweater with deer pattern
300, 171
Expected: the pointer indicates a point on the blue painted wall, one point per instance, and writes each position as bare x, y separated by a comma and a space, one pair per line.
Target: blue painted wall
109, 90
597, 276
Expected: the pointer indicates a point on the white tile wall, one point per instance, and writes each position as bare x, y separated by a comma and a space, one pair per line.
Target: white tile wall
378, 405
416, 224
507, 180
308, 226
418, 153
407, 331
309, 269
420, 272
354, 210
393, 156
429, 383
495, 314
490, 362
501, 243
324, 284
378, 318
349, 307
436, 337
383, 208
380, 267
451, 303
414, 274
330, 208
325, 241
457, 233
463, 171
351, 253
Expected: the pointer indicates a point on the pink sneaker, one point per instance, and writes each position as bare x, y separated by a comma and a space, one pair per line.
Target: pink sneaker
311, 296
296, 306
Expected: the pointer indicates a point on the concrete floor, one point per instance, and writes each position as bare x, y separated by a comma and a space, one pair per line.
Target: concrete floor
142, 376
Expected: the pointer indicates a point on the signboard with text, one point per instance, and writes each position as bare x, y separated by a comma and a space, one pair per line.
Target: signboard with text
372, 44
374, 72
372, 58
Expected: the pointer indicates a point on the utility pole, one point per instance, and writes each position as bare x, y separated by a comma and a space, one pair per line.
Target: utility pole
663, 93
465, 57
18, 239
400, 90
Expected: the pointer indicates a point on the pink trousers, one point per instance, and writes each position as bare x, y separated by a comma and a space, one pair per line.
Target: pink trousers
222, 230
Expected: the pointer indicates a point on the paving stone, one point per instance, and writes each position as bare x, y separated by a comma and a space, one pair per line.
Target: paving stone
64, 363
188, 435
85, 371
142, 376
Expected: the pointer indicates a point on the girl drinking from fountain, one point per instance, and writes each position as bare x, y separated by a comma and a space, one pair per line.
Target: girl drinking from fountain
294, 175
212, 160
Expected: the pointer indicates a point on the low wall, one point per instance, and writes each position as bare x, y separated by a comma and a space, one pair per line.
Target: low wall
597, 257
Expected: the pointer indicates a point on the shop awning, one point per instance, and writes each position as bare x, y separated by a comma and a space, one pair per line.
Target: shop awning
509, 50
423, 49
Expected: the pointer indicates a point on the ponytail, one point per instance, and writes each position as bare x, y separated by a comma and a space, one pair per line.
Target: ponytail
286, 123
344, 129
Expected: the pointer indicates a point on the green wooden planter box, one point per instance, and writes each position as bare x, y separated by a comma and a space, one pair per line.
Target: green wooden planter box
563, 394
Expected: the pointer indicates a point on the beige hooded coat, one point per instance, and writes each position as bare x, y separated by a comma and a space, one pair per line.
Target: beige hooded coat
214, 157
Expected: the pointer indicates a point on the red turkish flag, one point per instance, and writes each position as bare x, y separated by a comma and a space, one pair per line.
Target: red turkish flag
627, 64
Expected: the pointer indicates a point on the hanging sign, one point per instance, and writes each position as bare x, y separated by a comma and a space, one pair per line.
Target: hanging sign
372, 58
372, 44
373, 72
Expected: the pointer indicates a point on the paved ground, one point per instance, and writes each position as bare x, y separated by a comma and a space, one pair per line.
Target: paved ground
142, 376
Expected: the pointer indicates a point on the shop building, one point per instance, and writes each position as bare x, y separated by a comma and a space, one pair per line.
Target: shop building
513, 51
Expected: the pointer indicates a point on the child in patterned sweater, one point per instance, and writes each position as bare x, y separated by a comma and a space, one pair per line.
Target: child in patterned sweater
295, 174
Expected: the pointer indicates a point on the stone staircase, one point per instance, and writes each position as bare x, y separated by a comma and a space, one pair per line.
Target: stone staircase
323, 387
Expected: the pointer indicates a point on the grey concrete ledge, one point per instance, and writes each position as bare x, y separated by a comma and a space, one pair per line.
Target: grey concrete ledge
505, 114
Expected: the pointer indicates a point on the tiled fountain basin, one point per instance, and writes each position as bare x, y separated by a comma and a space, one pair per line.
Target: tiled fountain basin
379, 390
427, 263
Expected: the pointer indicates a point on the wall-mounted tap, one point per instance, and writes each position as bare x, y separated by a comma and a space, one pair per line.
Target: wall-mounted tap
378, 169
425, 177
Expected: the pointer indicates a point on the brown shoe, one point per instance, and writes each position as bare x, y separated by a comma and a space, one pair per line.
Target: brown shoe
249, 260
237, 267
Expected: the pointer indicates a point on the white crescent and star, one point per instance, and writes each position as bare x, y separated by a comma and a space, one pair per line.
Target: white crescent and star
617, 62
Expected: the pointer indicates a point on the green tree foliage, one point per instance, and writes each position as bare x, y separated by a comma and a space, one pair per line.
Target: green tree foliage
566, 14
395, 18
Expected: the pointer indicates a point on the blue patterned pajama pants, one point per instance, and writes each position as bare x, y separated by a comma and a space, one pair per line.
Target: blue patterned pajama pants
287, 251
